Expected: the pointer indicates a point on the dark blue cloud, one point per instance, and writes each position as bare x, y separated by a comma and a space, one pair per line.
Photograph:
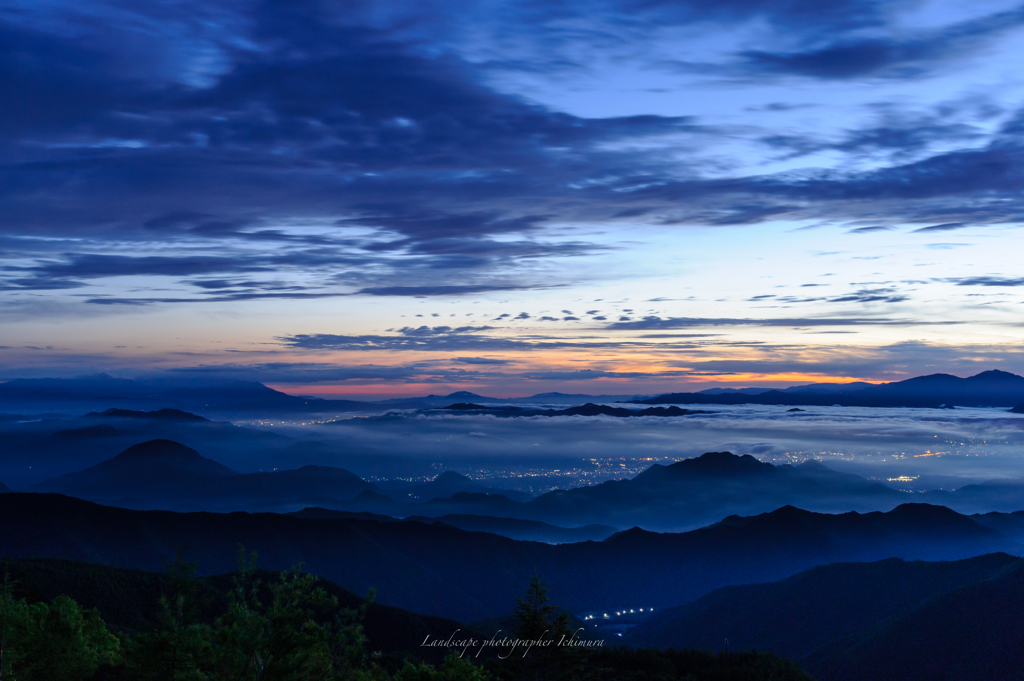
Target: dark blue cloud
441, 338
988, 281
656, 323
917, 56
435, 290
945, 227
482, 360
228, 130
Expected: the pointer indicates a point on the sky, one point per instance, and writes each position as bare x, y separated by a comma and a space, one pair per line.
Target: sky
601, 196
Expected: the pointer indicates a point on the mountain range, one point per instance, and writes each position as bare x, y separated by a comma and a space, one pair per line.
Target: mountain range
890, 620
440, 570
249, 399
166, 474
162, 474
988, 389
37, 449
693, 492
522, 530
588, 409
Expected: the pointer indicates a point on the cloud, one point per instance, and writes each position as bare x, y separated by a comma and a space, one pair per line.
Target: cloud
440, 338
304, 151
900, 57
483, 360
594, 374
946, 227
987, 281
878, 295
292, 372
658, 323
435, 290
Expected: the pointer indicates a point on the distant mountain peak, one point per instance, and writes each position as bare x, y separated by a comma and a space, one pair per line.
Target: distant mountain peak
995, 375
452, 476
159, 414
164, 453
723, 462
922, 512
136, 470
153, 449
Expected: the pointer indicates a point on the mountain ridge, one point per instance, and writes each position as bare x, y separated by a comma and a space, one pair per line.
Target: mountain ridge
410, 563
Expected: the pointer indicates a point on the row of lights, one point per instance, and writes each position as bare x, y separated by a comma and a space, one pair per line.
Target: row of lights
619, 612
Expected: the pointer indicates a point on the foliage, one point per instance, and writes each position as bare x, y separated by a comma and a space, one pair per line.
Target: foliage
537, 616
52, 641
263, 626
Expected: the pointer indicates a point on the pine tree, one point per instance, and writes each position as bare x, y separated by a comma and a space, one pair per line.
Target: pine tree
537, 617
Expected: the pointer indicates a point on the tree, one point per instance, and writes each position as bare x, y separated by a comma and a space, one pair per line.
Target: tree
289, 629
175, 650
537, 617
56, 641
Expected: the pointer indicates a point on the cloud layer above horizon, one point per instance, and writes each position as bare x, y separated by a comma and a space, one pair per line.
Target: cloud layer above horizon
509, 196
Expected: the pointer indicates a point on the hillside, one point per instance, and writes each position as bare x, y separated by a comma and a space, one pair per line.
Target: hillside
887, 621
410, 563
165, 474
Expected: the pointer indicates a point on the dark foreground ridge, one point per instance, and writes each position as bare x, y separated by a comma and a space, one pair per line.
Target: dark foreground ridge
411, 566
87, 622
887, 621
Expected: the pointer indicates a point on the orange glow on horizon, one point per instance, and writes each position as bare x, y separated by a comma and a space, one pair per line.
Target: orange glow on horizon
515, 386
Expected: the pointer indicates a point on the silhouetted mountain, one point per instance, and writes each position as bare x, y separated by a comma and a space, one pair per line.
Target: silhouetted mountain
202, 396
1019, 409
1008, 524
827, 388
429, 401
87, 433
360, 459
523, 530
588, 409
4, 488
973, 633
330, 514
41, 449
832, 618
444, 485
695, 492
464, 397
237, 398
160, 414
165, 474
733, 391
438, 569
987, 389
160, 468
145, 457
994, 495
